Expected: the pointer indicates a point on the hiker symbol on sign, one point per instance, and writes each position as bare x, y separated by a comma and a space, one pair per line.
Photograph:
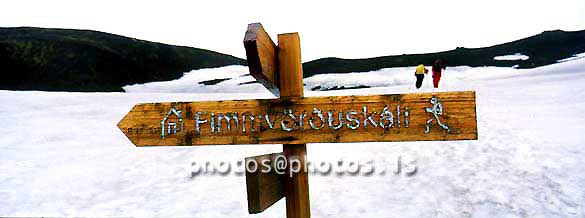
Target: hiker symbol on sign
436, 110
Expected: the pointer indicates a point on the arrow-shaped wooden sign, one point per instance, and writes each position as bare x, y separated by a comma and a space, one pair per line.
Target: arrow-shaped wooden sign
404, 117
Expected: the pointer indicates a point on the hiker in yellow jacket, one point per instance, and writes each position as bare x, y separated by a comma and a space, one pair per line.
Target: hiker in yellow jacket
420, 75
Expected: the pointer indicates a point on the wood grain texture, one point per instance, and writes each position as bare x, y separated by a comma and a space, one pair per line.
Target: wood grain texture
290, 67
261, 54
296, 185
264, 189
142, 124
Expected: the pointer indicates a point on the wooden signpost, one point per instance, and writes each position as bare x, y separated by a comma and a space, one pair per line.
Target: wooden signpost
294, 120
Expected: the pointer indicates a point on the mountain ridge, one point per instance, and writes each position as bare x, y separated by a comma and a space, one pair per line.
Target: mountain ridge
543, 49
53, 59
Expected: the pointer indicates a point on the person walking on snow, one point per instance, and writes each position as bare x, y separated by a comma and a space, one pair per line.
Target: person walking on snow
420, 75
438, 66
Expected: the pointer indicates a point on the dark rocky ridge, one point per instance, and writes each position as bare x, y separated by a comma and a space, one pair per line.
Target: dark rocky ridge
543, 49
83, 60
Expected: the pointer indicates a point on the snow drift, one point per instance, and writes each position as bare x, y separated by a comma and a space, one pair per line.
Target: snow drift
62, 155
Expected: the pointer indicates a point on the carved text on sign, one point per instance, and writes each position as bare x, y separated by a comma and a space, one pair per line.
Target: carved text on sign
290, 120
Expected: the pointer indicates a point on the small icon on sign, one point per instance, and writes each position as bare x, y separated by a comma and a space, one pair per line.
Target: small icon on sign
172, 124
436, 110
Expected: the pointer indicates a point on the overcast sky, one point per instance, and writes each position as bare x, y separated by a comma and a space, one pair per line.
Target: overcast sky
348, 29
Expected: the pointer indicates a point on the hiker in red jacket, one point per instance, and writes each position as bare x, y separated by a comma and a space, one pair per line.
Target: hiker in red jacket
438, 66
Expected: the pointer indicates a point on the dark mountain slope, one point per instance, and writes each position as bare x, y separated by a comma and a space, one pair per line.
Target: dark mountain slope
82, 60
543, 49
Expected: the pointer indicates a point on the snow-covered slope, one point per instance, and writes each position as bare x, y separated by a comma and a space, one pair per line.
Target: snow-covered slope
62, 155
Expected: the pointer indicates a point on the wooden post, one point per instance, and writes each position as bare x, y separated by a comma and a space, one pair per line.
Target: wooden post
296, 187
290, 67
